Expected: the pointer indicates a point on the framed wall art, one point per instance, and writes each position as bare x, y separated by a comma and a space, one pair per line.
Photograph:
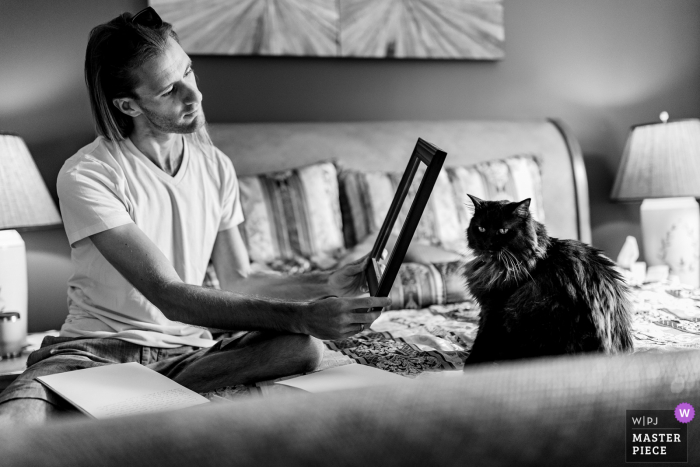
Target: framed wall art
400, 29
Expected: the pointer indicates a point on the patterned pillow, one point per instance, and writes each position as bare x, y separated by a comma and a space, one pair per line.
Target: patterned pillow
365, 198
294, 213
420, 285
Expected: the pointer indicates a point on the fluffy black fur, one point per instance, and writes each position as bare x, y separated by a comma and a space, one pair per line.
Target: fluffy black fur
540, 295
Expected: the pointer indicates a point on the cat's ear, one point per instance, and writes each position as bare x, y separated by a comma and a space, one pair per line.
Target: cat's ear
522, 207
477, 202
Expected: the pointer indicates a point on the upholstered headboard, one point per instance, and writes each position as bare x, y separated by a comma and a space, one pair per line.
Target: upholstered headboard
266, 147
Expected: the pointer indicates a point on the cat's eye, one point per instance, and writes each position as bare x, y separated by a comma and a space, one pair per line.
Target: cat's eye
502, 231
481, 229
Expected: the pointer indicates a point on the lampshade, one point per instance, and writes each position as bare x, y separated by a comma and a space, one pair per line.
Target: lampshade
25, 201
661, 160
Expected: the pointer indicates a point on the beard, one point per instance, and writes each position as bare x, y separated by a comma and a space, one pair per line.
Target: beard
168, 124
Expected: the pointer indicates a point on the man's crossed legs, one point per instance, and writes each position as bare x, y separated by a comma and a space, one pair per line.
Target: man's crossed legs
239, 358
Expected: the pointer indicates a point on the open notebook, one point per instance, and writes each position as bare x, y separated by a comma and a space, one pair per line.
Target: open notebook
121, 389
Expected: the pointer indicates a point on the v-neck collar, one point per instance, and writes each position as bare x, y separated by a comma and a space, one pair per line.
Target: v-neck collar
160, 173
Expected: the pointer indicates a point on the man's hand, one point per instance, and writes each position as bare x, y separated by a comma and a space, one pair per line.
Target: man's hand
338, 317
351, 279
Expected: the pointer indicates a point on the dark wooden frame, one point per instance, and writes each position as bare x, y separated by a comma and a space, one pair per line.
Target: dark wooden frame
379, 283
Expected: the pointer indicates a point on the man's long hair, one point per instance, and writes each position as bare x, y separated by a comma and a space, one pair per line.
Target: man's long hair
114, 51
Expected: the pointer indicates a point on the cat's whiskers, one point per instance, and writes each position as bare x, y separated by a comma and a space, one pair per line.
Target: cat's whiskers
511, 264
504, 262
519, 264
516, 263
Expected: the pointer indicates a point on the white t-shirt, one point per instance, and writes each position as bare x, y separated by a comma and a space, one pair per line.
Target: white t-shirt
106, 185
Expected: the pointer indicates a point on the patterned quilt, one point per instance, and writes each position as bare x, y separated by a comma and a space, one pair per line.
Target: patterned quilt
422, 343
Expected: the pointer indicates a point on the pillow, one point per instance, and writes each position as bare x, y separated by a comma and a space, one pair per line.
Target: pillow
365, 197
292, 214
430, 275
420, 285
416, 253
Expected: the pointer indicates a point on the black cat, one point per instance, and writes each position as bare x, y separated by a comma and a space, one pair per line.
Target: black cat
540, 295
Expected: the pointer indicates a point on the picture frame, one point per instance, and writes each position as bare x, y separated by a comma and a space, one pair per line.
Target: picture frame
381, 277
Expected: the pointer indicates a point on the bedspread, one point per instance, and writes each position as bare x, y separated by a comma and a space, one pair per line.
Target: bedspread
422, 343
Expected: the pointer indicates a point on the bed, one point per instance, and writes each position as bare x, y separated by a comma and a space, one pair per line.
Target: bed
567, 410
432, 329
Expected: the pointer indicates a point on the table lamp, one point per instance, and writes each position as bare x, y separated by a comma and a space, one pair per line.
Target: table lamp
661, 166
25, 204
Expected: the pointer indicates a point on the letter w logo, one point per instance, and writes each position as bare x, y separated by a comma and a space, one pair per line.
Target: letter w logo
685, 413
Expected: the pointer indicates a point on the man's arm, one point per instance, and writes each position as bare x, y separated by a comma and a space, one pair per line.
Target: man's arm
140, 261
232, 265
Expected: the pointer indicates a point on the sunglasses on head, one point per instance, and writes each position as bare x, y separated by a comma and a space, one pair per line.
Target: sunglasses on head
147, 18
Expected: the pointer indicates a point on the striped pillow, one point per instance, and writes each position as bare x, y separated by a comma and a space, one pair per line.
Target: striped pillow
365, 198
420, 285
294, 213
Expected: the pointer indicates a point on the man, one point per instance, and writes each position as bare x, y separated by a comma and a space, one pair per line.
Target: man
145, 206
